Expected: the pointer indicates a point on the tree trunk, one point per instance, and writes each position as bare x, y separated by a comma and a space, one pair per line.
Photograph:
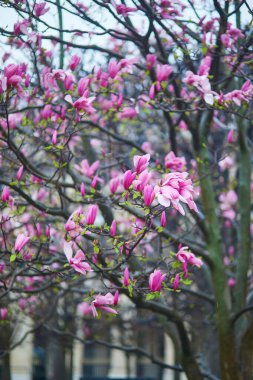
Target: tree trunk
5, 370
227, 348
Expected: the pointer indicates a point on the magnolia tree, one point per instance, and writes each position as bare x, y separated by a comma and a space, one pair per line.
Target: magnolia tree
125, 170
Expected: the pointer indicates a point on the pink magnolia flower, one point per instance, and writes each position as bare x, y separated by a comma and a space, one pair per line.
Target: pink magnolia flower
86, 169
2, 266
231, 282
146, 146
126, 279
71, 226
3, 84
47, 112
226, 163
235, 96
247, 89
150, 61
4, 313
205, 66
152, 92
40, 9
226, 40
22, 303
176, 281
83, 85
68, 82
12, 76
231, 251
94, 182
113, 228
163, 219
102, 302
5, 56
230, 137
182, 125
163, 72
141, 163
128, 179
77, 262
11, 70
113, 68
82, 104
5, 194
27, 80
232, 34
82, 6
186, 257
244, 94
82, 189
176, 188
59, 74
13, 80
226, 261
84, 308
20, 173
127, 113
116, 298
114, 184
54, 138
91, 214
124, 10
142, 180
38, 230
21, 241
228, 200
155, 280
21, 27
201, 82
148, 195
75, 60
174, 163
35, 179
103, 79
126, 64
48, 231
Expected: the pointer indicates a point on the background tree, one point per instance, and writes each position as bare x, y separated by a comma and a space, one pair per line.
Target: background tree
125, 144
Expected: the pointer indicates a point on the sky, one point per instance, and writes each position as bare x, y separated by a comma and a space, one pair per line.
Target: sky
9, 17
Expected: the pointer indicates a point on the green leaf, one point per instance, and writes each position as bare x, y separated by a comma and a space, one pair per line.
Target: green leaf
204, 49
56, 165
13, 257
150, 296
186, 281
176, 265
99, 313
133, 152
21, 209
106, 228
14, 183
130, 289
136, 195
96, 249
